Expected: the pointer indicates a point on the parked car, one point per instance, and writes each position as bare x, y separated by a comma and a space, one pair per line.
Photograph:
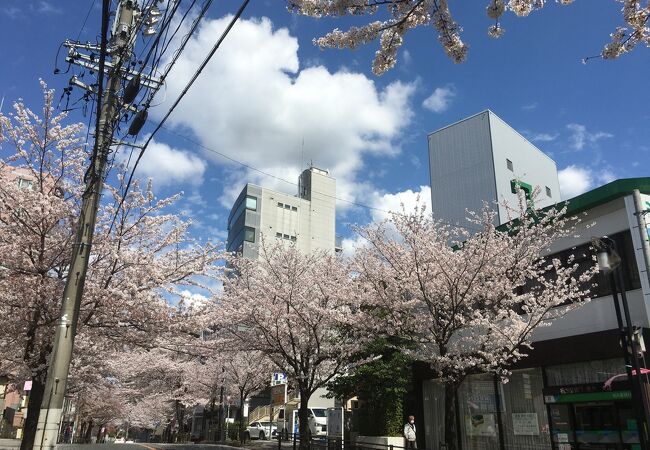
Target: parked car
260, 430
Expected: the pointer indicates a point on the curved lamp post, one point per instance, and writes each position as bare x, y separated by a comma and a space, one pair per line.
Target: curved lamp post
609, 263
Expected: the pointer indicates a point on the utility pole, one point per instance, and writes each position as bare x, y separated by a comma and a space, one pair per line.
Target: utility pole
61, 356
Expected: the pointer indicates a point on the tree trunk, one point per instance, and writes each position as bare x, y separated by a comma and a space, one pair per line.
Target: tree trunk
451, 426
303, 421
241, 415
98, 439
89, 432
33, 410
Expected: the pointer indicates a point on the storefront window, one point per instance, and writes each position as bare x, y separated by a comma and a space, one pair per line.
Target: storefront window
477, 405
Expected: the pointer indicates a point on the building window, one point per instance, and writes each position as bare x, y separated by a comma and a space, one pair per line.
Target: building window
247, 202
278, 235
286, 236
548, 192
251, 203
25, 184
293, 238
287, 206
294, 208
245, 234
249, 234
510, 166
280, 205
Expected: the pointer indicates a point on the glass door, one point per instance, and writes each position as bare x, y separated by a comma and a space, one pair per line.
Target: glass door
597, 426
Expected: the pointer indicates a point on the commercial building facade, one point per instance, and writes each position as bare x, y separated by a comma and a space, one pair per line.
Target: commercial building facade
571, 392
308, 220
557, 398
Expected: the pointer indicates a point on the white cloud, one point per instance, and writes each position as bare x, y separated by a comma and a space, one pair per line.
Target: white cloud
581, 137
386, 203
406, 57
399, 202
166, 165
255, 104
45, 7
440, 100
530, 106
575, 180
542, 137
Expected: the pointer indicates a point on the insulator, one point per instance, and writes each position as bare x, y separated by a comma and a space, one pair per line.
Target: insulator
131, 90
138, 122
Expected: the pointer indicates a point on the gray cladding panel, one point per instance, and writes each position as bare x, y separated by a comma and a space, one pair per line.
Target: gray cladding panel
462, 174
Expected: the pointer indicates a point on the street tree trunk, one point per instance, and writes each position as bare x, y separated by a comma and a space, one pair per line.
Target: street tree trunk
89, 432
241, 415
451, 426
33, 409
303, 420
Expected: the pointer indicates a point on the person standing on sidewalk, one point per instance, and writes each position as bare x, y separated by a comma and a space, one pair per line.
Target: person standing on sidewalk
409, 434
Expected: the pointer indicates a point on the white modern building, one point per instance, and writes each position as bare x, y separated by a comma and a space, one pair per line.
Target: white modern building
478, 159
307, 219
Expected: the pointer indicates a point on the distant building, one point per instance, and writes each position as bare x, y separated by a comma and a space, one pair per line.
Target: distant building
479, 159
308, 219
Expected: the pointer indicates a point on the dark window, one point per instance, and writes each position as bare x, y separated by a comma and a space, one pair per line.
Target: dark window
548, 192
293, 238
249, 234
25, 184
510, 166
245, 234
287, 206
294, 208
286, 236
280, 205
278, 235
247, 202
599, 285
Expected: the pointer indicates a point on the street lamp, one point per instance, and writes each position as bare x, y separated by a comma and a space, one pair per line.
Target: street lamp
609, 263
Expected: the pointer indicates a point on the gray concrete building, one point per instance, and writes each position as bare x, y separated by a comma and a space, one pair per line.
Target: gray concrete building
477, 159
307, 219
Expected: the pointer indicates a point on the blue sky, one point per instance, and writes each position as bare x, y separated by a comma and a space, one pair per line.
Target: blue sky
275, 102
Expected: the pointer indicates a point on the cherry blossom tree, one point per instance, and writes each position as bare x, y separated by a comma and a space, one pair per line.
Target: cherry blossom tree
468, 303
297, 309
401, 16
138, 268
247, 372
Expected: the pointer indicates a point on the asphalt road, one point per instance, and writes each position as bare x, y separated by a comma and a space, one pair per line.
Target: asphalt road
142, 446
6, 444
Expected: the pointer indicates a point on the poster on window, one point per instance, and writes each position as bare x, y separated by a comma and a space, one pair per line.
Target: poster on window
481, 425
525, 424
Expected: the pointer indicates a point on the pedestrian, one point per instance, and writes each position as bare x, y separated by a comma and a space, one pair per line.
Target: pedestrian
409, 434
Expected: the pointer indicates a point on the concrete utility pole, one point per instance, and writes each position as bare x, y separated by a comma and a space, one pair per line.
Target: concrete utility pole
57, 374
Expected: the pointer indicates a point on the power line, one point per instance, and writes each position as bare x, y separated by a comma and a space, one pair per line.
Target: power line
83, 26
177, 101
284, 180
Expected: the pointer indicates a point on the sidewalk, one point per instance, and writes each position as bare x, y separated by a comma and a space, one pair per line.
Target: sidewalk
7, 444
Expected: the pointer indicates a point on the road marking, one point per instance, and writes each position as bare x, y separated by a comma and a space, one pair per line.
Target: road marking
146, 446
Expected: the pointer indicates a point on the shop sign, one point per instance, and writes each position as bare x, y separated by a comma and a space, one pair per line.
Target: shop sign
525, 424
279, 378
588, 397
278, 394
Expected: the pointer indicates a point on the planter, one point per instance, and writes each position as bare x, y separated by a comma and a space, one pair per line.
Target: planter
381, 442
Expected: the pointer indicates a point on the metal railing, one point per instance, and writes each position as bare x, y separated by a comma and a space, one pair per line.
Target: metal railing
330, 443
